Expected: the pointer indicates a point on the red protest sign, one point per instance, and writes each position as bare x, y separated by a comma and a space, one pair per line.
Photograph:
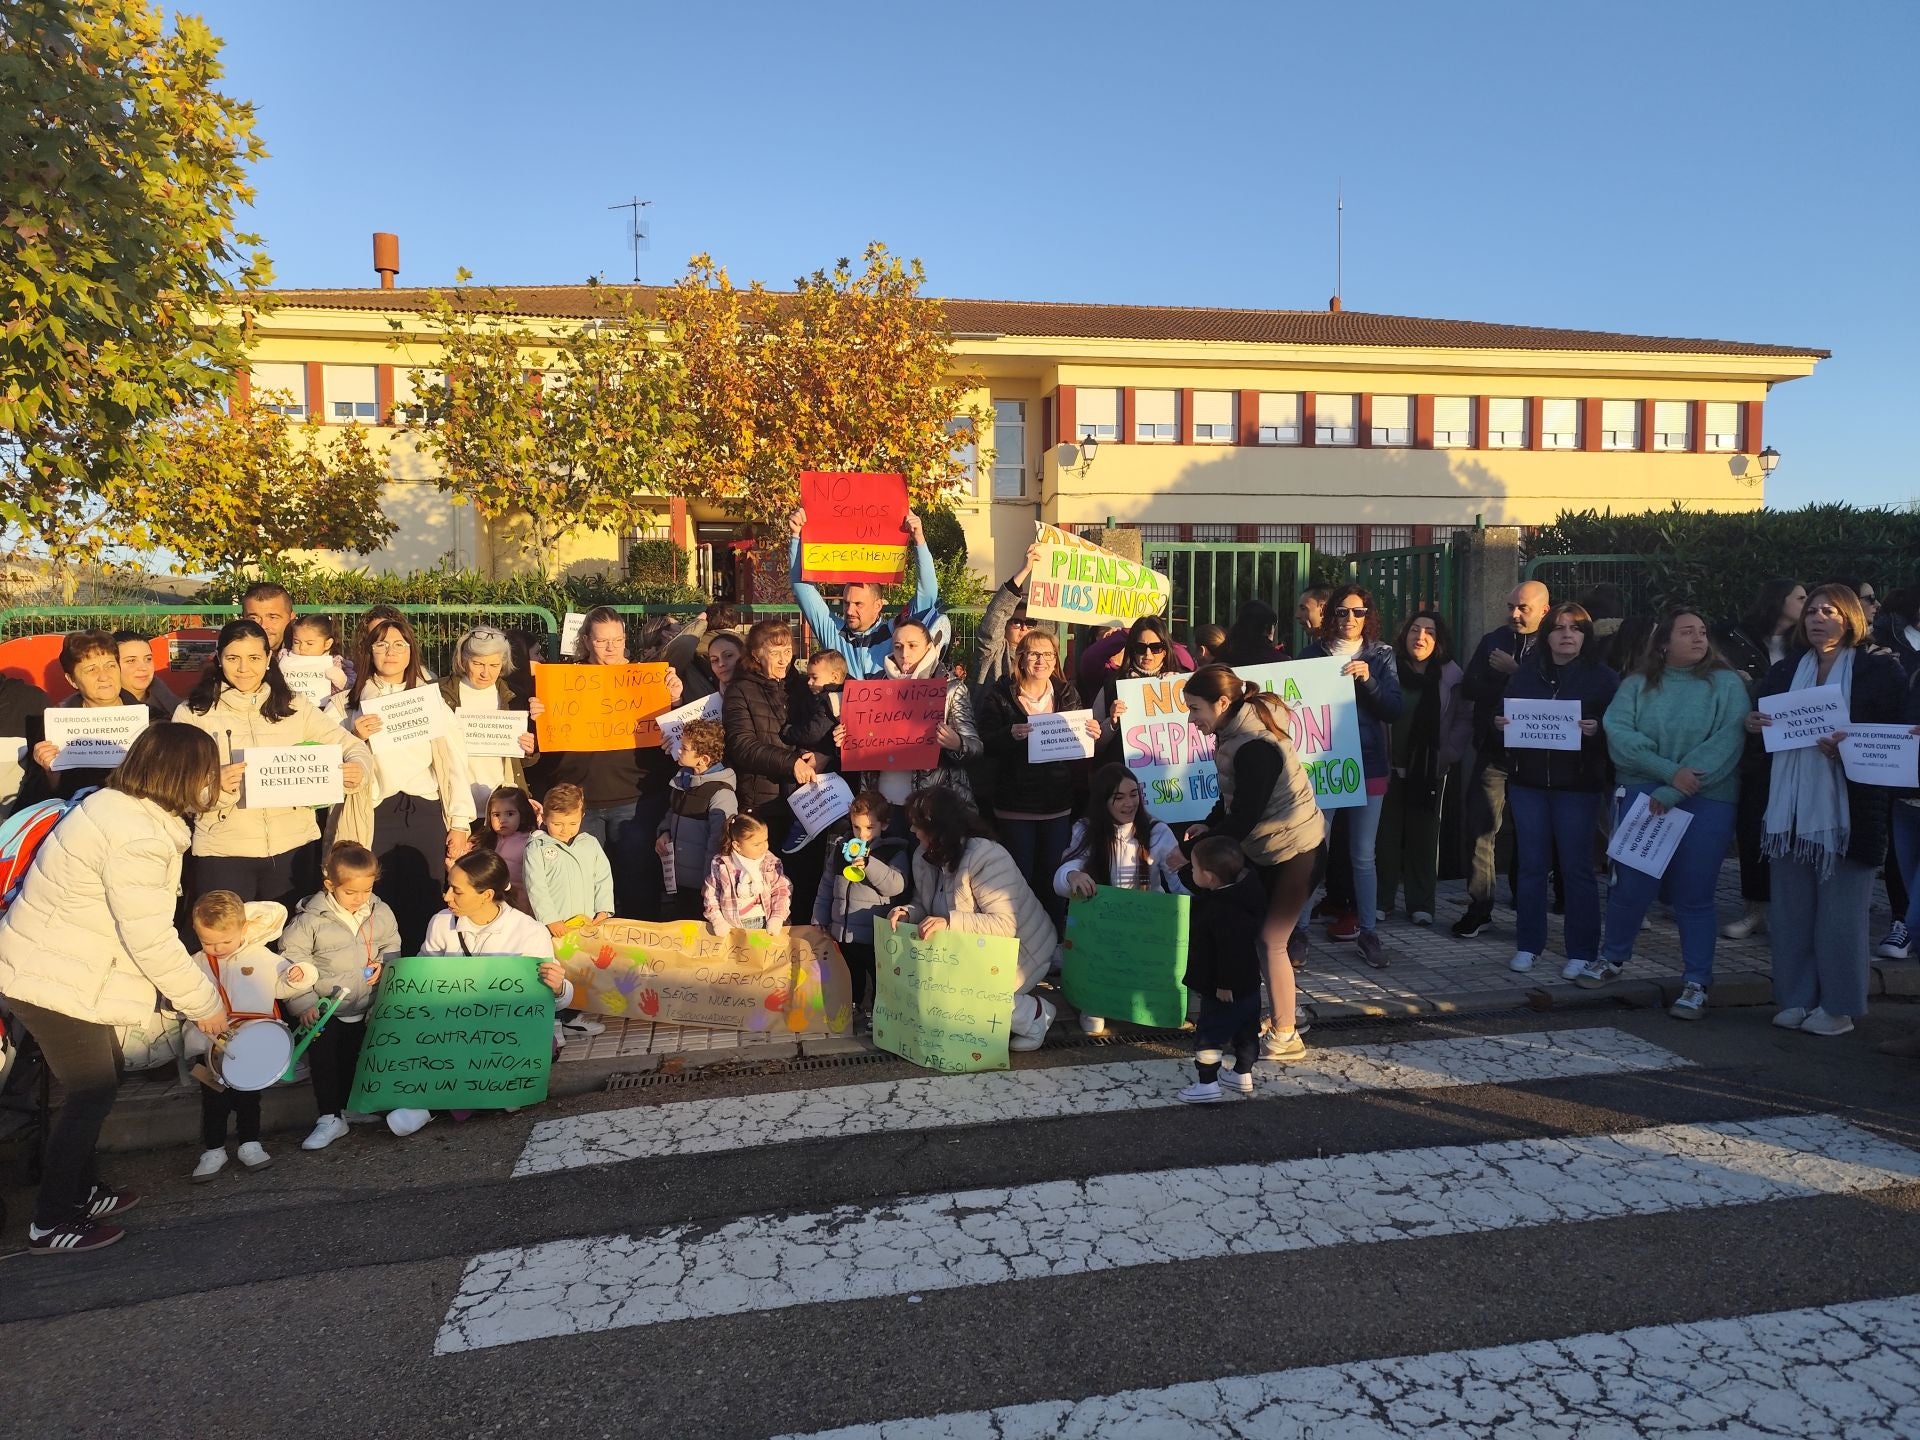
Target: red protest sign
855, 528
892, 724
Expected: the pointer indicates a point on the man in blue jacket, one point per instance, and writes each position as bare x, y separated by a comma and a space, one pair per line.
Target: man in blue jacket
862, 633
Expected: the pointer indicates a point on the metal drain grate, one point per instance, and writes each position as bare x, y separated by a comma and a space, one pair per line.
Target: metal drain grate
734, 1070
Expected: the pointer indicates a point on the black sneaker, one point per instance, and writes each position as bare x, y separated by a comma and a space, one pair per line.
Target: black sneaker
73, 1238
104, 1202
1470, 925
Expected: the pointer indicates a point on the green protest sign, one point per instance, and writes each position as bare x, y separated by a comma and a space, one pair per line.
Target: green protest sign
944, 1003
1124, 956
456, 1032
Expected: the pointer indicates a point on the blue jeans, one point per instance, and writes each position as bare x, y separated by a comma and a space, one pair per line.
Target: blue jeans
1691, 878
1906, 851
1363, 835
1036, 847
1547, 823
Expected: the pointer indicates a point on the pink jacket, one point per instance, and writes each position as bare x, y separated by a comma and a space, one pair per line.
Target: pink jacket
722, 892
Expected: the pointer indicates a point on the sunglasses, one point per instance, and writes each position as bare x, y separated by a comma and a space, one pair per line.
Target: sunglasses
1020, 620
1358, 612
1149, 648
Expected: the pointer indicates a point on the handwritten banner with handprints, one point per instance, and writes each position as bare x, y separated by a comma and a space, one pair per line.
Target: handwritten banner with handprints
456, 1032
1125, 956
600, 707
855, 530
945, 1003
683, 974
892, 724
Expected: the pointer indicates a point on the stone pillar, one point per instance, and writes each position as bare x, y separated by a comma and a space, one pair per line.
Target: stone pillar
1492, 570
1122, 540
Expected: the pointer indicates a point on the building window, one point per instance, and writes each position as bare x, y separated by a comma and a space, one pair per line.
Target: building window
1559, 424
1279, 419
1333, 422
1217, 534
1672, 424
280, 388
1009, 449
351, 392
1336, 539
1507, 424
418, 395
1279, 534
1723, 425
1393, 419
1159, 534
966, 454
1156, 416
1213, 417
1619, 424
1392, 537
1096, 413
1452, 421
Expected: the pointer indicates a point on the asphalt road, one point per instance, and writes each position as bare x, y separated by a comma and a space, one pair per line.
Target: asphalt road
311, 1298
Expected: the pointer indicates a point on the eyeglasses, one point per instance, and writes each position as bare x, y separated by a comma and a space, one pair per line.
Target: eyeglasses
1149, 648
1357, 612
391, 645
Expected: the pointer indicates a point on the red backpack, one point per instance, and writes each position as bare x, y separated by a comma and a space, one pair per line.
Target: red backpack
20, 837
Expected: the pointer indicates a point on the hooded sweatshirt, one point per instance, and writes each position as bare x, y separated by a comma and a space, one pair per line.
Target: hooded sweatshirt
567, 877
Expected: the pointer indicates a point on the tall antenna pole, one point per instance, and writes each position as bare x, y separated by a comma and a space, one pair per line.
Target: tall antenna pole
1339, 238
639, 237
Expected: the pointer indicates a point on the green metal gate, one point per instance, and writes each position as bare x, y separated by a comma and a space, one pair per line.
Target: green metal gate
1638, 578
1405, 582
1212, 581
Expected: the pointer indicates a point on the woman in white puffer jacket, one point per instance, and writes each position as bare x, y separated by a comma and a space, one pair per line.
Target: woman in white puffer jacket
87, 942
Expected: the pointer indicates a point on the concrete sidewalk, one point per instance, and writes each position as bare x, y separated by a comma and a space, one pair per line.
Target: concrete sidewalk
1430, 973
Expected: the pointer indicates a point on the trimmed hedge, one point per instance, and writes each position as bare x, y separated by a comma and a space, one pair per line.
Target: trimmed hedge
1717, 561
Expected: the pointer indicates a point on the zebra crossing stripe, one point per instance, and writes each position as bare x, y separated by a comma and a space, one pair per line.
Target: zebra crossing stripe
1105, 1222
1840, 1370
745, 1122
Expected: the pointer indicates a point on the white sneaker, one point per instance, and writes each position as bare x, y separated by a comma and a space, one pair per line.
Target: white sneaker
1691, 1005
1093, 1025
329, 1129
1201, 1092
1236, 1082
212, 1162
1791, 1018
1572, 968
584, 1025
1754, 922
1592, 974
254, 1156
1818, 1022
1522, 961
405, 1122
1282, 1045
1033, 1042
1421, 917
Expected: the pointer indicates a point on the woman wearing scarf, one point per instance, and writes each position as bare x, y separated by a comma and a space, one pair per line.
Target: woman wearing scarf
1824, 836
916, 657
1753, 645
1674, 732
1150, 652
1433, 730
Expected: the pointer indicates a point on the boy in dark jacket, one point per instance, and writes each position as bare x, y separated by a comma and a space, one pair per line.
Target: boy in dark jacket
700, 801
1223, 965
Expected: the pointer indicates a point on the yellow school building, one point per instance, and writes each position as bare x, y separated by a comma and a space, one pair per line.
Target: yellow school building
1350, 431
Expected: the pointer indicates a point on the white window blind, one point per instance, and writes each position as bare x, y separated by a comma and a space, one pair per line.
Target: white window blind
1619, 424
1156, 416
967, 453
1165, 534
1336, 539
1672, 422
1279, 419
1507, 423
1723, 425
270, 376
1213, 420
1393, 419
1559, 424
351, 391
1452, 420
1009, 449
1097, 413
1333, 422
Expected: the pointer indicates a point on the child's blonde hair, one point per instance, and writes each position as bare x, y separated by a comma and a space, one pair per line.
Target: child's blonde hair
219, 911
704, 737
566, 799
740, 828
350, 857
832, 661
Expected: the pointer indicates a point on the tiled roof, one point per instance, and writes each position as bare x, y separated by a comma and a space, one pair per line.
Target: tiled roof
1142, 322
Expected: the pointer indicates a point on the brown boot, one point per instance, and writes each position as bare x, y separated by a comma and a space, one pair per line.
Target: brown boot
1907, 1047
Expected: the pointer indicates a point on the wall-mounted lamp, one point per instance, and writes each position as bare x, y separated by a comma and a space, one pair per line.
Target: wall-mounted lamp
1076, 459
1769, 458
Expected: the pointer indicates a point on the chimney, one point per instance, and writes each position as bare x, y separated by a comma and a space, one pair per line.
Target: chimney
386, 257
1333, 305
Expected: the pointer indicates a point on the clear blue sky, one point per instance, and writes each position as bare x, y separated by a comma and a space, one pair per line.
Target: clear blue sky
1743, 170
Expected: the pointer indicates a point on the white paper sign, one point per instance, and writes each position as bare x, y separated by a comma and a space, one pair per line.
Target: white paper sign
1542, 725
309, 676
570, 633
1646, 841
94, 737
819, 803
675, 721
1881, 755
290, 775
492, 732
407, 716
1802, 717
1059, 736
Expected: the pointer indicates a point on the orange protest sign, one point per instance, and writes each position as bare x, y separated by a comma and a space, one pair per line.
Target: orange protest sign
600, 707
855, 527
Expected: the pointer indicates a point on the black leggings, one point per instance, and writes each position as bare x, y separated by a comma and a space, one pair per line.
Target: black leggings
331, 1059
288, 877
217, 1105
85, 1059
410, 837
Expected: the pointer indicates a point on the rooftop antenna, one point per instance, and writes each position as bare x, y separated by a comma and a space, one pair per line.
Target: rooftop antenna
1339, 241
639, 239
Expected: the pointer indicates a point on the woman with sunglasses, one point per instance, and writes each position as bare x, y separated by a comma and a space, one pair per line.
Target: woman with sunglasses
1350, 631
1149, 652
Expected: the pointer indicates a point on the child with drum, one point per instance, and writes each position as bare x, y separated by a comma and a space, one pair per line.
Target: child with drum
234, 936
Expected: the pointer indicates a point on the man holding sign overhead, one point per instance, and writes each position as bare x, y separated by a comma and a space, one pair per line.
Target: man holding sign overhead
850, 528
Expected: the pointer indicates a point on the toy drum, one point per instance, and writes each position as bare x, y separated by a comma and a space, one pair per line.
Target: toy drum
253, 1055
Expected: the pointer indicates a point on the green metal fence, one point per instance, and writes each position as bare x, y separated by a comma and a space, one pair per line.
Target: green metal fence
1637, 577
1211, 581
1405, 582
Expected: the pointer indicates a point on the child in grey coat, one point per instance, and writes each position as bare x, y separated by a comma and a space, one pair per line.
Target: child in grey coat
866, 876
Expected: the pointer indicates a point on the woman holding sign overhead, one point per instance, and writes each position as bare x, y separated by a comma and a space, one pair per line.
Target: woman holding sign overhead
90, 661
260, 852
416, 811
1824, 835
1674, 732
481, 663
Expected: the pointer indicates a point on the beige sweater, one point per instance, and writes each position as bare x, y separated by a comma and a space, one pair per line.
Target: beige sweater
985, 894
